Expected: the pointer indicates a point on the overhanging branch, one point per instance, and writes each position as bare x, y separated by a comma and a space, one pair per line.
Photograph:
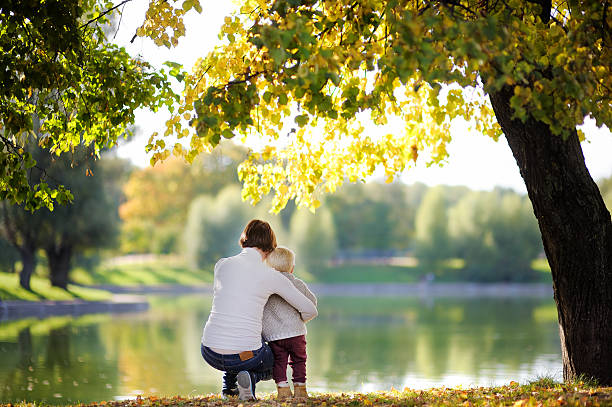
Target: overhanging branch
104, 13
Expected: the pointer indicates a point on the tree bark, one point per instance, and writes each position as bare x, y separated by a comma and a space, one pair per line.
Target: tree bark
28, 261
577, 234
59, 258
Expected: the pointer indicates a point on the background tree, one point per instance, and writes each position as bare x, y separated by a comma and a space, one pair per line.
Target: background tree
25, 240
214, 225
543, 65
431, 238
158, 198
8, 256
496, 234
313, 238
90, 221
363, 217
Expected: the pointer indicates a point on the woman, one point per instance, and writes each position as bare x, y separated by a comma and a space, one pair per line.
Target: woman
231, 341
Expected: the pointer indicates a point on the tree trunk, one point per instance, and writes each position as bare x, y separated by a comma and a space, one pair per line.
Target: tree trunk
59, 258
28, 260
577, 234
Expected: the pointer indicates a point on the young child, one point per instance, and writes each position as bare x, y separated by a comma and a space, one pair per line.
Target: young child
285, 331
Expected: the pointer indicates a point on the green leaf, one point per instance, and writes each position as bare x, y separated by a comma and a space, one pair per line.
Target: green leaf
301, 120
282, 99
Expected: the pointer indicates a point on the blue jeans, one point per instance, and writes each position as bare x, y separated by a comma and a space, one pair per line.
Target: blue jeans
259, 366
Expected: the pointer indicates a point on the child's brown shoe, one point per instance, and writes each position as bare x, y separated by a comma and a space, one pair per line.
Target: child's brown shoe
299, 391
283, 392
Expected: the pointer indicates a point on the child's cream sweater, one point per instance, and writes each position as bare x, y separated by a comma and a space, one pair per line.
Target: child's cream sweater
281, 320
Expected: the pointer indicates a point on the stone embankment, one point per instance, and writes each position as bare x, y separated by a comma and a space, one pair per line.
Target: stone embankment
42, 309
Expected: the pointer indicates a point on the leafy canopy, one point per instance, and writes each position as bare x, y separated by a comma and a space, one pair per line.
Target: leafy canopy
303, 75
64, 86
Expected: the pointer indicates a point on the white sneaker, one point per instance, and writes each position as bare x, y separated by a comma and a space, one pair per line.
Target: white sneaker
245, 386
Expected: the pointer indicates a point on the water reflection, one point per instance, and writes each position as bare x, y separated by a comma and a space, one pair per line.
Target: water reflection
53, 361
376, 344
354, 344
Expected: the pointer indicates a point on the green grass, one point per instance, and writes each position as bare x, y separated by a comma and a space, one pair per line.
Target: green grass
150, 273
42, 290
541, 265
448, 271
541, 393
365, 273
356, 273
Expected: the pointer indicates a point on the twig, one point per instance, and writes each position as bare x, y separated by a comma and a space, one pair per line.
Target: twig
119, 24
105, 13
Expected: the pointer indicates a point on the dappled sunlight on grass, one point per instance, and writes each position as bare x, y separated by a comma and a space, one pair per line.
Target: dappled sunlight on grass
541, 265
146, 273
358, 273
42, 290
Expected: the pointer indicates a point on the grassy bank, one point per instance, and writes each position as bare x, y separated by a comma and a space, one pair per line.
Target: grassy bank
42, 290
161, 271
541, 393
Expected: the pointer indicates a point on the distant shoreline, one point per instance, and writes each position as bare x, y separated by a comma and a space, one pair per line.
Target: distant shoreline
130, 298
461, 290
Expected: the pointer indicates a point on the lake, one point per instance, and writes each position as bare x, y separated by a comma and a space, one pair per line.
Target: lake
356, 344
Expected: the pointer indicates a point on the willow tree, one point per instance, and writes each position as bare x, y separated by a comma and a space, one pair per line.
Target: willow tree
304, 75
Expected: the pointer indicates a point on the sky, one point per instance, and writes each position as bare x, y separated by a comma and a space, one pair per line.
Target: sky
474, 160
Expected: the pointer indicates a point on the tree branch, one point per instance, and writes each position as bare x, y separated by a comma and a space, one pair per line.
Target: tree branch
448, 3
604, 22
247, 77
104, 13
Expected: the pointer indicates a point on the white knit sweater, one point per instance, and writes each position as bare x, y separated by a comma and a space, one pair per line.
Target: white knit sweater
242, 286
280, 319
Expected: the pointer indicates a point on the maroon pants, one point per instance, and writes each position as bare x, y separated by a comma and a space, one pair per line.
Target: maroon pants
292, 350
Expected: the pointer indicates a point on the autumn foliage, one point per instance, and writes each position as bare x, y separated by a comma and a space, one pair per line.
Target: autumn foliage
541, 394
